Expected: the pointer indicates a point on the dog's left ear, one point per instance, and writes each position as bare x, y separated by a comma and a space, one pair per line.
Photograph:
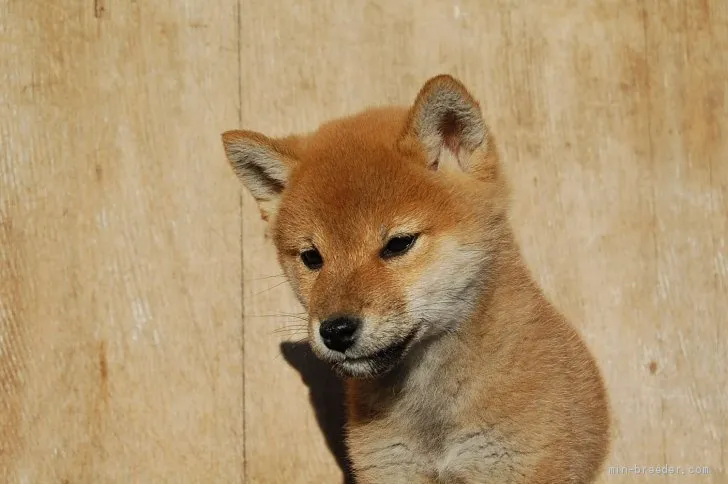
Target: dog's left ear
446, 122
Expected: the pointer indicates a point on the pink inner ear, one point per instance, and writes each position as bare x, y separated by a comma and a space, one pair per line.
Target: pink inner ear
451, 130
452, 143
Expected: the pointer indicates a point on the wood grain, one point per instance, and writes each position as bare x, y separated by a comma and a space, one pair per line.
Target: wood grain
594, 136
120, 244
122, 352
689, 119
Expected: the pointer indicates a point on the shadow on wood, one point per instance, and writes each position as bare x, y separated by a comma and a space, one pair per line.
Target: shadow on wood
326, 392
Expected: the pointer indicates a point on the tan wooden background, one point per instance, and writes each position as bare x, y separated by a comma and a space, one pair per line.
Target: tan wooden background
140, 304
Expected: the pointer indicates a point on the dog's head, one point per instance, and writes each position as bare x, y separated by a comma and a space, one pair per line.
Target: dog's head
385, 222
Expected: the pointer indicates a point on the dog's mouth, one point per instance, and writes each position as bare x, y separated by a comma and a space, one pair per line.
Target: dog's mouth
377, 363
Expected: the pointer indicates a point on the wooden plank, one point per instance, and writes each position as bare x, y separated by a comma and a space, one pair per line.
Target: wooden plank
120, 302
570, 91
688, 52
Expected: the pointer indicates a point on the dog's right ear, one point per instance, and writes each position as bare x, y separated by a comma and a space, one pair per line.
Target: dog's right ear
263, 165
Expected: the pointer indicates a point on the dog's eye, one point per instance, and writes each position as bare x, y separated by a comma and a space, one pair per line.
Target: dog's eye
312, 259
398, 246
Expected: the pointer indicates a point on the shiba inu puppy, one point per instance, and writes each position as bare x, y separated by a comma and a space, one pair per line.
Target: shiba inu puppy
392, 227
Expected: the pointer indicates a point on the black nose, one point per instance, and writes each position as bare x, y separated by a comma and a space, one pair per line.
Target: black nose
339, 333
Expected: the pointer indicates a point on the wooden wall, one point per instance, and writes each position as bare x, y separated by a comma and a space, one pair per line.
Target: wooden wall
142, 310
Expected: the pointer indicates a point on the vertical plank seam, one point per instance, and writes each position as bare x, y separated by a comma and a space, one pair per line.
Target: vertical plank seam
713, 184
651, 155
716, 244
243, 477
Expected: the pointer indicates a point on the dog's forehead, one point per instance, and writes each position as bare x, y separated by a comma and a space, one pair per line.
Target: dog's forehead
355, 196
358, 181
353, 183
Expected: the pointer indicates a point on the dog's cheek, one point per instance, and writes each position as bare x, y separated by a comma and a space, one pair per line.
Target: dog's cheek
298, 280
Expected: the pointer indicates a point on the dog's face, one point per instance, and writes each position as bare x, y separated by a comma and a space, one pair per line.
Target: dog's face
385, 222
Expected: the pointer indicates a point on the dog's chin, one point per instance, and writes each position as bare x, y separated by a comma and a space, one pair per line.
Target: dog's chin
376, 364
364, 368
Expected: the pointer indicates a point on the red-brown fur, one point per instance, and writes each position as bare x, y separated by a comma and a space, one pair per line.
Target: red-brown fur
495, 385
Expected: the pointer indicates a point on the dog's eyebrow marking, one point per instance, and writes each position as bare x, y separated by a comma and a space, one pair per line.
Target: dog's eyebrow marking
383, 230
303, 243
399, 229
